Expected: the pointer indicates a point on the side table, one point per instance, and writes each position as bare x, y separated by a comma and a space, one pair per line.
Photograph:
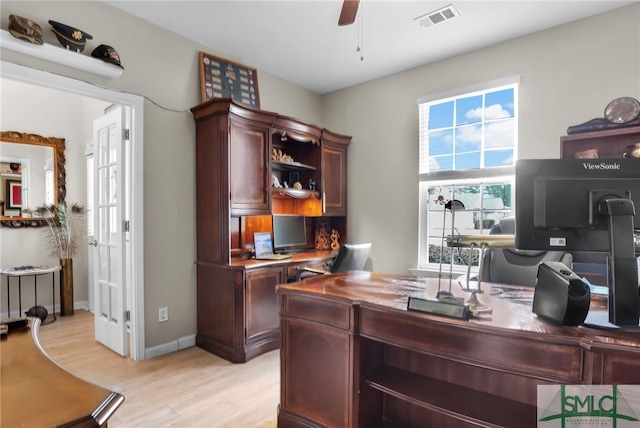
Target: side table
34, 271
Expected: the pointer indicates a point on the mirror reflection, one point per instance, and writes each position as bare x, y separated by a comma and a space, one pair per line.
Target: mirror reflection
31, 175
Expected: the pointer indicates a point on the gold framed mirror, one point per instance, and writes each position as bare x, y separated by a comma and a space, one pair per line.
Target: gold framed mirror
32, 171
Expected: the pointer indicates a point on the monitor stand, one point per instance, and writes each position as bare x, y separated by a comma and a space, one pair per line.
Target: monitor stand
600, 320
624, 297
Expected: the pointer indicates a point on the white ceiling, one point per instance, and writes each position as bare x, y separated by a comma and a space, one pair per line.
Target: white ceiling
301, 42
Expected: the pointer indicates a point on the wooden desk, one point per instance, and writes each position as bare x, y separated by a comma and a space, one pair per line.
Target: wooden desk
238, 307
36, 392
353, 356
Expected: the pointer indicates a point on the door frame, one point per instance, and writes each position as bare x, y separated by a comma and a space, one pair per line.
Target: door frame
135, 189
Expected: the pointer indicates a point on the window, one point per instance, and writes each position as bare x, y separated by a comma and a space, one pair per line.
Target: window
468, 148
49, 188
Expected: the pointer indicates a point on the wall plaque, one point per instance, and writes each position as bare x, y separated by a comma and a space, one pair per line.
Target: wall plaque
221, 78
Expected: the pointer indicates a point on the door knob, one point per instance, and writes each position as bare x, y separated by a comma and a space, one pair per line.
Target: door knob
94, 243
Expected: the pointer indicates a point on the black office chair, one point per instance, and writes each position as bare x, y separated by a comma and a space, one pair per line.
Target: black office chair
516, 267
349, 257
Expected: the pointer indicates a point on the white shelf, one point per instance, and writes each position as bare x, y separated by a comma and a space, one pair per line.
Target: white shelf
59, 55
10, 175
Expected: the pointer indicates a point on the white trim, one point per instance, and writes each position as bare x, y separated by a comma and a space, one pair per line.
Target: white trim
477, 87
136, 102
462, 175
173, 346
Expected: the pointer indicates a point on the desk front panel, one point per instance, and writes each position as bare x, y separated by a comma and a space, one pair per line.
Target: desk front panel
552, 358
408, 368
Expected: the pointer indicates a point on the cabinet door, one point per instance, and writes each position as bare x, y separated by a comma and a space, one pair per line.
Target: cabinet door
249, 182
334, 179
261, 312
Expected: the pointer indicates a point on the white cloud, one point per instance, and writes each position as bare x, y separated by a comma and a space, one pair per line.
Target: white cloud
469, 138
433, 164
499, 134
494, 111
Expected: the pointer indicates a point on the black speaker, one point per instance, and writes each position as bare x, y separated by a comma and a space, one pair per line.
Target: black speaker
560, 295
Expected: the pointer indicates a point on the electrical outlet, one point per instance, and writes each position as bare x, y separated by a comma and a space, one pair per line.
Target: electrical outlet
163, 314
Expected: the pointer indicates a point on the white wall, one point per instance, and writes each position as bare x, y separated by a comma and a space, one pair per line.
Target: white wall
568, 75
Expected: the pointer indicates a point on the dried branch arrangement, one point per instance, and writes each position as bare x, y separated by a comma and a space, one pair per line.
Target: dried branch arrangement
66, 228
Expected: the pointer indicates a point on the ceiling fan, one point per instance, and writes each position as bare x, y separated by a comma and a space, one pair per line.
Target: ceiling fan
349, 12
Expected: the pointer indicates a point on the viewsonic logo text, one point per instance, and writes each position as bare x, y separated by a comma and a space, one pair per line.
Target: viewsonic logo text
602, 165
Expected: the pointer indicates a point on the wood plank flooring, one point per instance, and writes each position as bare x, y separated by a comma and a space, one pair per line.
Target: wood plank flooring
188, 388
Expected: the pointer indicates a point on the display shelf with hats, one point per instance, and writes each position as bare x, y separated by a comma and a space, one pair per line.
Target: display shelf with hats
25, 37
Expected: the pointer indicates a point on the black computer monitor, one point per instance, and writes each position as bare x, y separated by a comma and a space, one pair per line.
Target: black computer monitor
289, 231
585, 205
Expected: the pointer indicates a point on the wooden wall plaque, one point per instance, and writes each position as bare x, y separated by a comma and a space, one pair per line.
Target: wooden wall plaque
221, 78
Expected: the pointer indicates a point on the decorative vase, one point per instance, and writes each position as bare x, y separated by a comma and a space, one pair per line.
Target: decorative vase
66, 287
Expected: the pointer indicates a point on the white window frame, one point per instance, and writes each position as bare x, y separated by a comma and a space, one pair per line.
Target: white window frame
461, 177
49, 190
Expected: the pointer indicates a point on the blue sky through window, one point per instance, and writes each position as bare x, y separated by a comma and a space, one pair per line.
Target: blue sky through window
471, 132
468, 141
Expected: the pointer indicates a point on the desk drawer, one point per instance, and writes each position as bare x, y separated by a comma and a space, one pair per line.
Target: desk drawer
329, 312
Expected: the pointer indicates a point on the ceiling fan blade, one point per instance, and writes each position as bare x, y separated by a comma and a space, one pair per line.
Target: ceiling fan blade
349, 12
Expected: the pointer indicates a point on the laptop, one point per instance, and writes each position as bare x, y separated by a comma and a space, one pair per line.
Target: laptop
264, 247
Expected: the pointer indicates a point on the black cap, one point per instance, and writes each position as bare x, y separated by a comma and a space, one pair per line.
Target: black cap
70, 37
108, 54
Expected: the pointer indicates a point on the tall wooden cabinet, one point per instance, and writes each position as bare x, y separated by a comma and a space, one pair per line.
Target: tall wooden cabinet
244, 157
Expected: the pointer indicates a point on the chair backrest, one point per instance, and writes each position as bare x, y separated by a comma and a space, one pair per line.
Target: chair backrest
516, 267
351, 257
507, 267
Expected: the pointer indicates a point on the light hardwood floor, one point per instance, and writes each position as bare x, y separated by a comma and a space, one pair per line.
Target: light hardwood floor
188, 388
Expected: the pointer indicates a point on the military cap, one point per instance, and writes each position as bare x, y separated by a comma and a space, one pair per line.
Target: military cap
69, 37
108, 54
25, 29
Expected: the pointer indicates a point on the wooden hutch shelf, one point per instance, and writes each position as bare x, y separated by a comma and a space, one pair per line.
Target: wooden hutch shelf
282, 192
239, 158
611, 144
291, 166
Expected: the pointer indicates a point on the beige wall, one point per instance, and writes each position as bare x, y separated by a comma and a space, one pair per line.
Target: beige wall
568, 75
565, 80
163, 68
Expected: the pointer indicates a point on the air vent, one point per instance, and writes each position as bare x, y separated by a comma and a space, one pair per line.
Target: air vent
437, 16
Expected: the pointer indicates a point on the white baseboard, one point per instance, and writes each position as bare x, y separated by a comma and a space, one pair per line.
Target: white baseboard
167, 348
76, 305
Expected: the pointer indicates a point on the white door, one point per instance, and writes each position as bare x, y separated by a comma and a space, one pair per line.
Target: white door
109, 234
